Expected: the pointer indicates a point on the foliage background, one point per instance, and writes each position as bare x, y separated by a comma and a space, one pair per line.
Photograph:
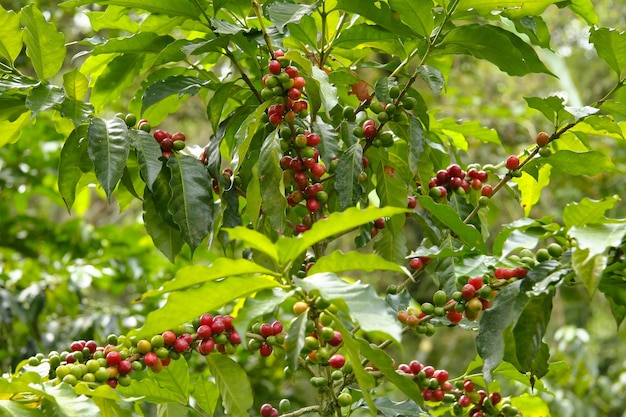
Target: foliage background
71, 276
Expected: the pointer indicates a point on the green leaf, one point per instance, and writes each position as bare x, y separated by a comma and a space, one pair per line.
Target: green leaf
262, 303
44, 97
215, 106
415, 140
73, 153
336, 223
12, 130
60, 400
496, 45
175, 379
165, 236
361, 300
347, 183
509, 8
282, 13
149, 391
169, 7
190, 276
613, 286
533, 405
587, 211
185, 305
432, 77
339, 261
598, 237
552, 107
45, 46
328, 92
584, 9
206, 394
273, 201
254, 240
10, 35
75, 84
468, 234
379, 13
77, 111
359, 37
535, 28
191, 204
142, 42
233, 384
611, 47
176, 84
530, 188
108, 147
470, 129
172, 410
116, 76
391, 408
329, 144
9, 408
294, 341
148, 155
417, 15
580, 163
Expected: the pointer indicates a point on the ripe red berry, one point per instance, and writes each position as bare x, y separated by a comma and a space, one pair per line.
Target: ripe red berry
429, 371
442, 177
337, 361
112, 382
291, 71
91, 345
519, 272
274, 66
312, 205
411, 202
468, 291
180, 345
476, 282
468, 385
495, 397
379, 223
370, 130
266, 350
472, 173
267, 410
234, 338
512, 162
218, 325
159, 135
415, 367
169, 337
318, 170
266, 330
455, 170
125, 367
206, 346
277, 327
486, 190
543, 139
476, 184
77, 346
150, 359
167, 144
113, 358
441, 375
294, 94
336, 340
312, 139
465, 401
299, 82
454, 316
438, 394
178, 136
204, 332
275, 118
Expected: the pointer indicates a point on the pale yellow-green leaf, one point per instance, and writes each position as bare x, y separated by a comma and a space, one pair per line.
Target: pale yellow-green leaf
10, 35
530, 188
11, 131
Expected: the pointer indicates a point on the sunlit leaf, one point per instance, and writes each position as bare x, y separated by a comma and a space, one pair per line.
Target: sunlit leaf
233, 383
45, 46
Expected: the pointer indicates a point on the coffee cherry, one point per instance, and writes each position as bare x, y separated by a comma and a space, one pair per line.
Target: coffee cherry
555, 250
542, 255
411, 202
454, 316
468, 291
476, 282
337, 361
416, 263
150, 359
486, 191
274, 66
543, 139
440, 298
125, 367
512, 162
465, 401
113, 358
266, 350
344, 399
474, 305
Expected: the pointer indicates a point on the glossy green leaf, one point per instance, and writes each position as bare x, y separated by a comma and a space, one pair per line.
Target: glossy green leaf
148, 155
116, 76
588, 211
347, 183
73, 153
215, 107
611, 47
233, 383
379, 13
417, 15
206, 394
175, 379
363, 36
469, 129
339, 261
61, 401
142, 42
552, 107
149, 390
108, 148
77, 111
12, 130
165, 236
282, 13
304, 31
613, 286
10, 408
447, 215
510, 8
361, 301
390, 408
328, 92
580, 163
10, 35
190, 276
254, 240
45, 46
496, 45
191, 204
172, 410
294, 341
584, 9
598, 237
178, 84
185, 305
535, 28
273, 201
169, 7
43, 98
432, 77
329, 145
336, 223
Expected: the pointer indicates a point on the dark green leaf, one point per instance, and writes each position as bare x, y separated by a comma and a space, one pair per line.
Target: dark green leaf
108, 147
264, 302
417, 15
165, 236
148, 154
496, 45
169, 7
611, 47
379, 13
177, 84
370, 36
139, 43
406, 408
117, 75
347, 183
381, 89
77, 111
233, 383
304, 31
254, 240
44, 45
294, 341
73, 155
43, 98
150, 391
535, 28
282, 13
215, 107
191, 204
450, 218
274, 203
613, 286
10, 35
552, 107
432, 77
329, 144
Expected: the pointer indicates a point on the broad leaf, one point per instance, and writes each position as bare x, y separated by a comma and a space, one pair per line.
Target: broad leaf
11, 408
612, 285
177, 84
149, 391
379, 13
282, 13
206, 394
75, 84
611, 47
73, 153
185, 305
254, 240
587, 211
510, 8
447, 215
273, 201
533, 405
347, 183
339, 261
361, 301
391, 408
175, 379
417, 15
169, 7
496, 45
148, 155
530, 188
158, 221
61, 401
108, 147
10, 35
432, 77
45, 46
43, 98
191, 204
294, 341
580, 163
142, 42
552, 107
598, 237
233, 383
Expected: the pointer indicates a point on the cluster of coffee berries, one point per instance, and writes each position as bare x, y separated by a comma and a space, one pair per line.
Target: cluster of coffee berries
265, 336
285, 83
169, 142
374, 134
419, 262
113, 363
377, 226
509, 273
433, 382
475, 296
456, 179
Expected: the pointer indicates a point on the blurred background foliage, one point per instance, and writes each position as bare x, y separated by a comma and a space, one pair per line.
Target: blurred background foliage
67, 276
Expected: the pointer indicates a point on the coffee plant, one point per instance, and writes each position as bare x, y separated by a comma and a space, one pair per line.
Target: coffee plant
321, 163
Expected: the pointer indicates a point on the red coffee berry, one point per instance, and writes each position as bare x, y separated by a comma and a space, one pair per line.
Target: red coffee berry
266, 350
267, 410
159, 135
476, 184
441, 375
178, 136
472, 173
543, 139
218, 325
266, 330
169, 337
301, 228
206, 346
379, 223
77, 346
318, 170
482, 175
294, 94
465, 401
454, 316
404, 368
370, 130
274, 66
512, 162
495, 397
228, 322
150, 359
486, 190
180, 345
113, 358
112, 382
312, 139
416, 263
336, 340
411, 202
91, 345
312, 205
204, 332
476, 282
455, 170
468, 291
415, 366
519, 272
468, 385
442, 177
438, 394
125, 367
234, 338
337, 361
299, 82
429, 371
277, 327
291, 71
